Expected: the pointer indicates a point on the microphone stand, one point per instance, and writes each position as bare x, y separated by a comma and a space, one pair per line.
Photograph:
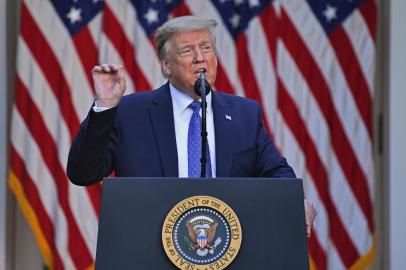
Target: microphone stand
203, 159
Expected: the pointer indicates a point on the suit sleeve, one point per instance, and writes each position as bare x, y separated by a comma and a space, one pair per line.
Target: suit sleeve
91, 154
269, 162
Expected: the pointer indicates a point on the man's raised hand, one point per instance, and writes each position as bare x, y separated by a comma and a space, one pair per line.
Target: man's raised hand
109, 84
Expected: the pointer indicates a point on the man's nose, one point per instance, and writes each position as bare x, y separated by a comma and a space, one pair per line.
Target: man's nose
198, 55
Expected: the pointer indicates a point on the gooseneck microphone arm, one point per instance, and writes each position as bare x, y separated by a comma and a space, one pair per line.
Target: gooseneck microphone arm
202, 88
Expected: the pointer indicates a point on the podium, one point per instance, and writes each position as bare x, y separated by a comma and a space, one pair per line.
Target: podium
135, 213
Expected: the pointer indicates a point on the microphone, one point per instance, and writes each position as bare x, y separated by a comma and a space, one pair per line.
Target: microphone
198, 85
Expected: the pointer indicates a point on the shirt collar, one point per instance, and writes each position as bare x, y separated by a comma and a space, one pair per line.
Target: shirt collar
181, 101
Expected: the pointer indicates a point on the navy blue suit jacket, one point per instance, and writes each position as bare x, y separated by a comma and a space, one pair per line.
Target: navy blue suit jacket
137, 138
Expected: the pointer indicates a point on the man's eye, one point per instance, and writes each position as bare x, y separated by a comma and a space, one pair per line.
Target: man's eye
186, 51
207, 48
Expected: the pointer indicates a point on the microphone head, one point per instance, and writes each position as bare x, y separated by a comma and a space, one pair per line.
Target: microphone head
198, 89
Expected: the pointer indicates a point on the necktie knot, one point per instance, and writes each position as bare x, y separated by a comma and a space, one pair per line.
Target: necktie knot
195, 106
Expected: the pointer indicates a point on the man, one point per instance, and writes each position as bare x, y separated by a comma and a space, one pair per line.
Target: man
149, 134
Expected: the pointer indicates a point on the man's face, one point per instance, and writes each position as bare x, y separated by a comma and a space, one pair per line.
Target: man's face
189, 54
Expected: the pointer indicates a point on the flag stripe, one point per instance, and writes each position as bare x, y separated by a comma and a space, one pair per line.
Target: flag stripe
182, 10
31, 193
363, 45
318, 256
355, 78
368, 11
222, 81
267, 29
63, 53
117, 37
26, 147
320, 235
263, 71
86, 218
127, 18
320, 238
334, 260
30, 74
245, 70
270, 23
94, 27
87, 51
95, 198
318, 49
38, 130
341, 194
340, 236
47, 61
342, 147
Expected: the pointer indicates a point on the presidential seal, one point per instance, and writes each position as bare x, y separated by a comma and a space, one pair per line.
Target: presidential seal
201, 233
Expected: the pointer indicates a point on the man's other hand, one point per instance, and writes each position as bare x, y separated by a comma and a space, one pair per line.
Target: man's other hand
109, 84
310, 214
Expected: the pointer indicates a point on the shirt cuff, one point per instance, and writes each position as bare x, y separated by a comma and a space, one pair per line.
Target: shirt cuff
99, 109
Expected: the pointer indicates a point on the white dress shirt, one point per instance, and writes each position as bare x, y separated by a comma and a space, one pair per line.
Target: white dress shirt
181, 116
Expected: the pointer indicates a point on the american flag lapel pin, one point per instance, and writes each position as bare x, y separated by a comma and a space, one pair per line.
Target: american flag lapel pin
228, 117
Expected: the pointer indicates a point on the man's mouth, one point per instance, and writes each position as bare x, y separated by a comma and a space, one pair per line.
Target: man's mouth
200, 70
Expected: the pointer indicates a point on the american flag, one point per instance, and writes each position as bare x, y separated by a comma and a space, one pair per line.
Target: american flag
310, 63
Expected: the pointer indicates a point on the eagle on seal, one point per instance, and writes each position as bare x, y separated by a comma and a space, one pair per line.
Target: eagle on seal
202, 230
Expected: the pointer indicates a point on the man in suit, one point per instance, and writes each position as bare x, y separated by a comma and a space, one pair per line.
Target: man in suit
149, 134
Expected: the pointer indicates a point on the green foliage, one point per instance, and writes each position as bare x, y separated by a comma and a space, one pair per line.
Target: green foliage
188, 244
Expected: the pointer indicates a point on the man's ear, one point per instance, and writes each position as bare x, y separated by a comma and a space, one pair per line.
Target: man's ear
165, 67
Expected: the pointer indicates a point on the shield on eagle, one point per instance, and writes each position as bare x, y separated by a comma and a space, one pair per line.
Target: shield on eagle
202, 241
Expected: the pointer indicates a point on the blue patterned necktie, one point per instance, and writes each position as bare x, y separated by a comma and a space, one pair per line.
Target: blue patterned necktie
194, 144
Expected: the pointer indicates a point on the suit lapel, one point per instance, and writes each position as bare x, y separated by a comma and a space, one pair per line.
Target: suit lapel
224, 134
161, 113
